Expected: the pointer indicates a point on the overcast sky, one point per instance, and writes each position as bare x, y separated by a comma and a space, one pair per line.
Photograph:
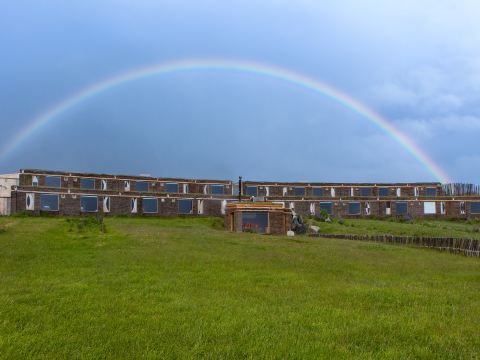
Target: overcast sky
417, 63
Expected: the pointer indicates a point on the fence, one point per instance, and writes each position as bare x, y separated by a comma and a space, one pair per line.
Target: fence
467, 247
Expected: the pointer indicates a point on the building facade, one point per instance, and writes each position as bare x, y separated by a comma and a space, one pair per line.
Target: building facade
67, 193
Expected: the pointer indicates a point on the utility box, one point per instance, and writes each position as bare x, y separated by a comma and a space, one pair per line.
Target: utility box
261, 218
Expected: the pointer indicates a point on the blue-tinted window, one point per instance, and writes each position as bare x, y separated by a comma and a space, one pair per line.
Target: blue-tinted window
53, 181
171, 187
87, 183
430, 192
299, 191
475, 207
401, 208
141, 186
185, 206
150, 205
88, 204
327, 206
317, 191
217, 189
354, 208
383, 191
49, 202
365, 191
251, 190
255, 220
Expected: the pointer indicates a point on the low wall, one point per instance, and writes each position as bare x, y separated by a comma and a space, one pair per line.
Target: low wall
467, 247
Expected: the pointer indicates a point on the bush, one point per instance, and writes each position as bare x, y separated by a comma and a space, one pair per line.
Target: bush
217, 224
87, 223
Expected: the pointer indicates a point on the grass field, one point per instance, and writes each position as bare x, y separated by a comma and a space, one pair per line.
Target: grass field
183, 288
419, 227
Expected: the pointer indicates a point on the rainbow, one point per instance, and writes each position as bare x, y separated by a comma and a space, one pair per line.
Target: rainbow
226, 65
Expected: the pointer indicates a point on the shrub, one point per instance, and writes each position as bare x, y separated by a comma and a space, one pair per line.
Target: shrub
217, 224
87, 223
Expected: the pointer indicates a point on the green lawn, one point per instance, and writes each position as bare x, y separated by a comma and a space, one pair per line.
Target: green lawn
180, 288
418, 227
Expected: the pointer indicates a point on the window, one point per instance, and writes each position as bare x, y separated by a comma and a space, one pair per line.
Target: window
401, 208
150, 205
327, 206
475, 207
255, 220
383, 191
365, 191
88, 204
35, 181
354, 208
430, 192
141, 186
185, 188
462, 207
53, 181
299, 191
317, 191
185, 206
171, 187
217, 189
133, 205
126, 185
49, 202
87, 183
30, 202
399, 192
251, 190
429, 207
388, 209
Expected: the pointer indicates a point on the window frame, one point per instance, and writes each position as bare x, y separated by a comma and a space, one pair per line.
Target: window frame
216, 186
296, 188
471, 210
403, 203
51, 177
89, 179
370, 191
147, 183
317, 188
143, 205
182, 201
50, 194
250, 187
166, 185
359, 207
89, 196
326, 202
430, 204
